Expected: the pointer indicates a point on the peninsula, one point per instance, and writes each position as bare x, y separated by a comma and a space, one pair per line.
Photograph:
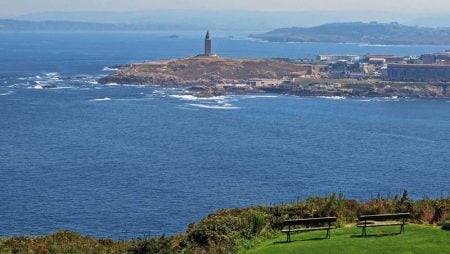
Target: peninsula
360, 32
208, 75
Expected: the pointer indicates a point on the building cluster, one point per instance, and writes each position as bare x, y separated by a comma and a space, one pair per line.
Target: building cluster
424, 68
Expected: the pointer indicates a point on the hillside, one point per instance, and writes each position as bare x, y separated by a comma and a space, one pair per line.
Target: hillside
22, 25
359, 32
256, 230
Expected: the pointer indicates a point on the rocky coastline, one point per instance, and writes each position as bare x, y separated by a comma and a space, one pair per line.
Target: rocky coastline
215, 76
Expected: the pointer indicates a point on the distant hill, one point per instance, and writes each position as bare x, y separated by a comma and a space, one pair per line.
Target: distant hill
359, 32
238, 20
21, 25
212, 20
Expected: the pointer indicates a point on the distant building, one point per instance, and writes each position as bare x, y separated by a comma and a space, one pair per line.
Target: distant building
418, 72
266, 82
438, 58
377, 61
208, 44
388, 58
336, 58
428, 58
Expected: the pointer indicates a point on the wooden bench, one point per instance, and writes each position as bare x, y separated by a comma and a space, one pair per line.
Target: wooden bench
312, 224
382, 220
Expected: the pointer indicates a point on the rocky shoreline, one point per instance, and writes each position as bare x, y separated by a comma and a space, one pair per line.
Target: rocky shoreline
214, 76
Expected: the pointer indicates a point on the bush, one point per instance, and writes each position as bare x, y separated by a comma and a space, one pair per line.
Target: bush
160, 245
253, 223
217, 234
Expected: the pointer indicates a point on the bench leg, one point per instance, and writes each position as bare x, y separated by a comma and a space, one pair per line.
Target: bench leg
328, 234
364, 232
288, 234
402, 229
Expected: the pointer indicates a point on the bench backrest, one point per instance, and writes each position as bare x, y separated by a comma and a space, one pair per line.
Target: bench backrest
383, 217
309, 221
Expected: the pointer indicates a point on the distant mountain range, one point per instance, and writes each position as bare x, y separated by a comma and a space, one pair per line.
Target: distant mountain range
21, 25
359, 32
239, 20
351, 32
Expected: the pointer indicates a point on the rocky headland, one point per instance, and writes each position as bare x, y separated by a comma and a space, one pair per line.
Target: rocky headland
205, 71
212, 76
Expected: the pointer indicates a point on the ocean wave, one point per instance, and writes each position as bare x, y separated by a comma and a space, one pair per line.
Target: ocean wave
393, 98
110, 69
102, 99
6, 93
135, 86
225, 106
333, 97
259, 96
189, 97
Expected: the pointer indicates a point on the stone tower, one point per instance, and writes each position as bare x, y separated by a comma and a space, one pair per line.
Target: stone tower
208, 45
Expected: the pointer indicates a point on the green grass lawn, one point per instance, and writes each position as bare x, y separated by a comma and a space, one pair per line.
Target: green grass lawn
417, 239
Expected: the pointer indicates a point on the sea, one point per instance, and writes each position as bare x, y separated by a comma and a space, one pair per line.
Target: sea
122, 161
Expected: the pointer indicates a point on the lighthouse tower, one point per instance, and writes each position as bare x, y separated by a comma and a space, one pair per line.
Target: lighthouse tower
208, 44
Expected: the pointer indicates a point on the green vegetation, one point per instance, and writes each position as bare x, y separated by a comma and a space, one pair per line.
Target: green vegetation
61, 242
417, 239
240, 230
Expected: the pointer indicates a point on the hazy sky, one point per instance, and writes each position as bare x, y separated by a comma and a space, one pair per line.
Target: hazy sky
17, 7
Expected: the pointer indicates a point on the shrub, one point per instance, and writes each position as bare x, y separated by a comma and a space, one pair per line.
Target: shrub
253, 223
160, 245
218, 233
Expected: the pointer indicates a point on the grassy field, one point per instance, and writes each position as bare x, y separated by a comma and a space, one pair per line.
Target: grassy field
417, 239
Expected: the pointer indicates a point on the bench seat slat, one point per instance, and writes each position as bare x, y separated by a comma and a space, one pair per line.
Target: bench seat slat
306, 229
310, 221
381, 225
379, 217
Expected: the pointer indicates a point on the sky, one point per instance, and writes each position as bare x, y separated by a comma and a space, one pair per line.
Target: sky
11, 8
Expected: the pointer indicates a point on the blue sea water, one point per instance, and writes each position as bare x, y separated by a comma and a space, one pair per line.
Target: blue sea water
110, 160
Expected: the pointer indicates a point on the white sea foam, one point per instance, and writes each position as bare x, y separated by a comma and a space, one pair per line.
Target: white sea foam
394, 98
38, 86
6, 93
333, 97
110, 69
61, 87
136, 86
189, 97
102, 99
259, 96
227, 106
